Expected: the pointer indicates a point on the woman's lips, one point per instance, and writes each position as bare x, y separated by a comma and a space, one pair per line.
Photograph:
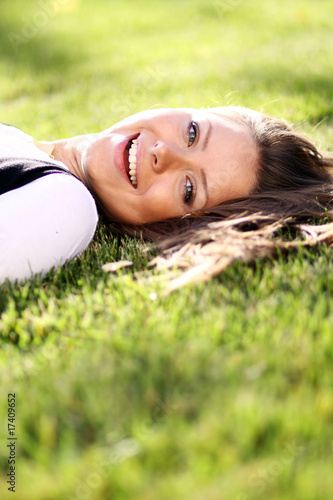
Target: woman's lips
121, 156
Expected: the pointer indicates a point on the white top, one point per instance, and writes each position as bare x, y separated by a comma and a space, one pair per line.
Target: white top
44, 223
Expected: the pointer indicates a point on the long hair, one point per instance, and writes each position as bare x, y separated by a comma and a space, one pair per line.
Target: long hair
294, 184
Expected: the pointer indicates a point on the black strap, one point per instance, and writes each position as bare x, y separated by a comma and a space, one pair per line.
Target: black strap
16, 172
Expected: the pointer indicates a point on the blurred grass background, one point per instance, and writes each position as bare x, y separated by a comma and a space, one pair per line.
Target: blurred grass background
219, 391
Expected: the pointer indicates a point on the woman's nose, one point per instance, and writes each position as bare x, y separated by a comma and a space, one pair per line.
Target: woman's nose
165, 157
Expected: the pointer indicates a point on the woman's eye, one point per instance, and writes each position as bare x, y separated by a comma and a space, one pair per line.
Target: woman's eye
188, 191
192, 133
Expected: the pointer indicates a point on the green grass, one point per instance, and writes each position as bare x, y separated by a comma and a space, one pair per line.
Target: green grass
217, 391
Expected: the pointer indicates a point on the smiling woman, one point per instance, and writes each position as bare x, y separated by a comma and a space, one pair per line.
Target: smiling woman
164, 163
157, 165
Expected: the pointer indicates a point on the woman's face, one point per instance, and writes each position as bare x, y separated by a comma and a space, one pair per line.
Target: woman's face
184, 160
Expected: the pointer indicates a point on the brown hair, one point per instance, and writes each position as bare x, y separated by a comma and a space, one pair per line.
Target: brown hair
293, 184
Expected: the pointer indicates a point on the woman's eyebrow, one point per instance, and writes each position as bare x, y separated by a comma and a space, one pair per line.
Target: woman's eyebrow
204, 182
209, 131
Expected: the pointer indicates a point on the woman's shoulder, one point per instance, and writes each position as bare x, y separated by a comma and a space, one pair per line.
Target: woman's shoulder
68, 195
44, 224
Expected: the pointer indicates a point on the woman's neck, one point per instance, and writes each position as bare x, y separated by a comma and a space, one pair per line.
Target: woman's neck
69, 152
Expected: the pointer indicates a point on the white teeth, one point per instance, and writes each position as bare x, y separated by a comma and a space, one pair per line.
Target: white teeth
132, 161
